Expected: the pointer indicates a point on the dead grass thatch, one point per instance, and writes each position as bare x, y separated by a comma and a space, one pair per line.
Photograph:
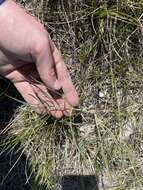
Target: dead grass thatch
102, 44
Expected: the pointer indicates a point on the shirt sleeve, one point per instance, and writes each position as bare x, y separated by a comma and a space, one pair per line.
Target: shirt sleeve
2, 1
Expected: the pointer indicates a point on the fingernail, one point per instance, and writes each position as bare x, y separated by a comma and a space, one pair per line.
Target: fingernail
57, 85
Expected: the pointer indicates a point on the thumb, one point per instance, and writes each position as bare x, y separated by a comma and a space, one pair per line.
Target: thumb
46, 67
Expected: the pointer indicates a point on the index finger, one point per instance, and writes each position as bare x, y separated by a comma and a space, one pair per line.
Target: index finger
64, 78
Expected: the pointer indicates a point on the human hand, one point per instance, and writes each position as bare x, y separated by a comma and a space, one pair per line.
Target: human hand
27, 55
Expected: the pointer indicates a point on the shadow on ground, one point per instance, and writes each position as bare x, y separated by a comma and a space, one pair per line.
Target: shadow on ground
16, 179
79, 182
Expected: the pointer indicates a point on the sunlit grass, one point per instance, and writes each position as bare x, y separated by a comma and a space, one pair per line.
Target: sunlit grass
101, 42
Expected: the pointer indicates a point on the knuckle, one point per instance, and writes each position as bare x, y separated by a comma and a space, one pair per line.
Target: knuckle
41, 44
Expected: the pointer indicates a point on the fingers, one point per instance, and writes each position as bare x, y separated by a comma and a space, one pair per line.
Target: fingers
28, 94
26, 80
53, 71
47, 100
64, 78
45, 65
38, 97
62, 102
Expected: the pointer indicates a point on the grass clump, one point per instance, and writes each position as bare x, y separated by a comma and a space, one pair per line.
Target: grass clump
102, 45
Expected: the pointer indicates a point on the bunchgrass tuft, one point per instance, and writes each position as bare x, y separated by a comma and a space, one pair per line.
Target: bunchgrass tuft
102, 44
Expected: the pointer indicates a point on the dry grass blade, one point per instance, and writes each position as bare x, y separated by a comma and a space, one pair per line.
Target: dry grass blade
102, 45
